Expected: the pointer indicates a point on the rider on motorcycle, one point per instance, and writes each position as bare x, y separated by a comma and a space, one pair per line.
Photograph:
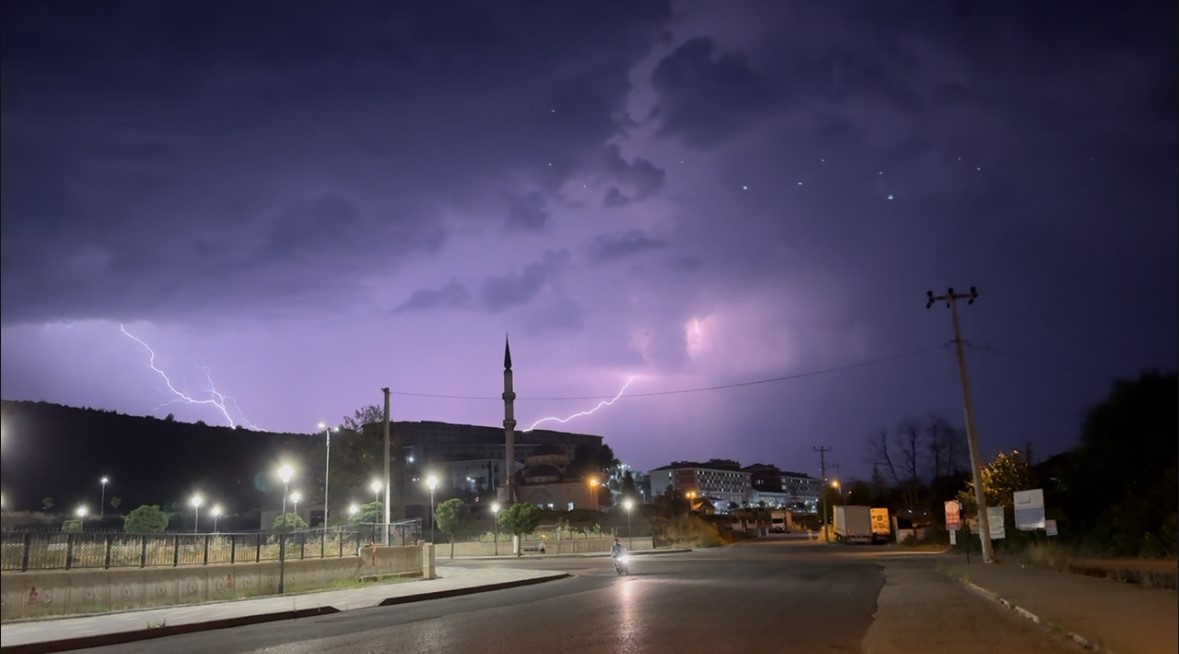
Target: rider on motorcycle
616, 549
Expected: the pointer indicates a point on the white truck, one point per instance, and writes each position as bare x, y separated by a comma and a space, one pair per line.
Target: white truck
780, 522
853, 524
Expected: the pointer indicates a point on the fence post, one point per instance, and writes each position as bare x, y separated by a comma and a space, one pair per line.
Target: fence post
69, 551
176, 551
24, 557
258, 547
143, 551
108, 552
206, 549
232, 548
303, 547
340, 539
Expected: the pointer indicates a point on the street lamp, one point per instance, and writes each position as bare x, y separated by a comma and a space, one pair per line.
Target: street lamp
285, 473
838, 489
102, 502
376, 488
593, 482
196, 511
81, 513
629, 504
352, 510
295, 497
432, 482
216, 511
327, 468
495, 517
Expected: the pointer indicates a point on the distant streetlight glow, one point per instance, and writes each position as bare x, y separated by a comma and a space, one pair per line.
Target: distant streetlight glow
376, 489
495, 517
216, 511
432, 482
285, 473
629, 504
81, 513
196, 511
295, 497
102, 500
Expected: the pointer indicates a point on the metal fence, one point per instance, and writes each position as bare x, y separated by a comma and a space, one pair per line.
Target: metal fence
67, 551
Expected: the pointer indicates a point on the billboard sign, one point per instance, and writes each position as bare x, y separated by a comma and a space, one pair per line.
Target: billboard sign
953, 516
995, 522
1029, 509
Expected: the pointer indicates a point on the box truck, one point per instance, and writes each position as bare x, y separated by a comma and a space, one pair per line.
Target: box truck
853, 524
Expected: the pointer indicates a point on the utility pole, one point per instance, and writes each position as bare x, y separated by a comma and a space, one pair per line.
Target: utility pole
823, 491
388, 492
951, 299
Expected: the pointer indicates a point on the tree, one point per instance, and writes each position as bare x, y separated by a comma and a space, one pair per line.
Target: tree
1009, 472
373, 512
365, 415
453, 516
519, 519
289, 521
72, 526
146, 519
629, 490
46, 503
116, 501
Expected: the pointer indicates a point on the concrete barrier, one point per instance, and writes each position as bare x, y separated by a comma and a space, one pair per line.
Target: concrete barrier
551, 546
51, 593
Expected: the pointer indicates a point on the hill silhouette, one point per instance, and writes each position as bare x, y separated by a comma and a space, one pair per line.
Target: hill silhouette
60, 452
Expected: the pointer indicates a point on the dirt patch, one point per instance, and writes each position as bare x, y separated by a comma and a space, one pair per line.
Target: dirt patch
1155, 573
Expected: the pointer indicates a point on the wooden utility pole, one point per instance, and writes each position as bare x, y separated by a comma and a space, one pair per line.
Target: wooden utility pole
823, 490
951, 299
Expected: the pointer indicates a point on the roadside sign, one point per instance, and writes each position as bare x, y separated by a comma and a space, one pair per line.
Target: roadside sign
1029, 509
995, 522
1050, 527
953, 519
953, 536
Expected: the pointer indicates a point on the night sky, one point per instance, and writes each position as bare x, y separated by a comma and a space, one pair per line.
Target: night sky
305, 202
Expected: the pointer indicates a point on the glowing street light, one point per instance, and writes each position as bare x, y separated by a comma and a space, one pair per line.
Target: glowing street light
295, 497
432, 482
285, 473
495, 516
196, 511
102, 501
376, 489
629, 504
81, 513
353, 509
593, 482
216, 511
327, 468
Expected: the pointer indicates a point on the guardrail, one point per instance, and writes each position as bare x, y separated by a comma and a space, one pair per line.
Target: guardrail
67, 551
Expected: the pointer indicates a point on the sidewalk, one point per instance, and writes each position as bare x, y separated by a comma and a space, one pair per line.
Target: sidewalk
113, 628
1100, 614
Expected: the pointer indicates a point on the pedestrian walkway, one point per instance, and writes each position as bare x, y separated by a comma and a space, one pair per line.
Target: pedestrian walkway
1101, 614
61, 634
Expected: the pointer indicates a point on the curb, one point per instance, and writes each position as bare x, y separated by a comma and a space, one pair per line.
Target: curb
1028, 615
121, 637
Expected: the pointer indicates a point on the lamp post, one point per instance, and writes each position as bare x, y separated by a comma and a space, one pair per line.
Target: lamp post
629, 504
196, 511
295, 497
432, 482
102, 501
838, 489
594, 489
81, 513
327, 468
216, 511
285, 472
495, 518
376, 488
352, 510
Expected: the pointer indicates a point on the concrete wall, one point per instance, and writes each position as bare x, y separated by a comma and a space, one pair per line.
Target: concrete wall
551, 546
48, 593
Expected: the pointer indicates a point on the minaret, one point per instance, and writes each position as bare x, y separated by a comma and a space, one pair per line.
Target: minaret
509, 425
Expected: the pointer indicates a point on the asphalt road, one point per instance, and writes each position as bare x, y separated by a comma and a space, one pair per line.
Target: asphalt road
762, 597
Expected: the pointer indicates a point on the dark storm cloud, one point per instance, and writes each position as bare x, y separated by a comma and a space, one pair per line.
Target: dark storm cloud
639, 177
526, 212
500, 293
616, 246
453, 295
706, 96
146, 143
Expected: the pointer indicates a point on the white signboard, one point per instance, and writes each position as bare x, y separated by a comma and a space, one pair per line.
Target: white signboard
954, 537
995, 522
1029, 509
1050, 527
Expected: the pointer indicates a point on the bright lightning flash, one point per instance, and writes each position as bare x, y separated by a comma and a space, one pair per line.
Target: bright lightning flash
219, 400
580, 414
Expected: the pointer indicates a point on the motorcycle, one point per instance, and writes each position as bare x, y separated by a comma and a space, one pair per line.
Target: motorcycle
622, 564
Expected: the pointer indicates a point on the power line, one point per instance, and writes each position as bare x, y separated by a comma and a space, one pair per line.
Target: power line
700, 389
1036, 362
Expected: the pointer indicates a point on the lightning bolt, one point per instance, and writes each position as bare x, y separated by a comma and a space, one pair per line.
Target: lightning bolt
219, 400
579, 414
